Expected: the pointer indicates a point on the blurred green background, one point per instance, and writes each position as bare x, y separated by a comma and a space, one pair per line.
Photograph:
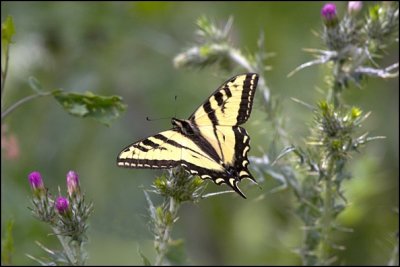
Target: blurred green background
127, 49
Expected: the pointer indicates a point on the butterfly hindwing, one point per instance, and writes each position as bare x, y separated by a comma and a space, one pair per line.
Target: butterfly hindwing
231, 144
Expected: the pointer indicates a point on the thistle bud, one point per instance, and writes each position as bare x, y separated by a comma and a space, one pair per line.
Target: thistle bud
36, 182
328, 13
73, 183
62, 205
354, 7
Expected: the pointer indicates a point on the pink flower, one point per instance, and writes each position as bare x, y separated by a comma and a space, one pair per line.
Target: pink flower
72, 183
354, 7
328, 11
9, 143
35, 179
62, 205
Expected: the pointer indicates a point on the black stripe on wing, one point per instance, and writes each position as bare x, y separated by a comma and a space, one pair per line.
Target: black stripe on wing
211, 112
139, 160
246, 102
226, 93
232, 174
146, 145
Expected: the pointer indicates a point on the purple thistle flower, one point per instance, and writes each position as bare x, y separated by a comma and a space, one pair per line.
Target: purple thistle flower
62, 205
72, 182
35, 179
328, 13
354, 7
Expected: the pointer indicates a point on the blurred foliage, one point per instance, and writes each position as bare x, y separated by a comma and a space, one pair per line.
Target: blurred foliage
7, 31
101, 108
127, 49
7, 245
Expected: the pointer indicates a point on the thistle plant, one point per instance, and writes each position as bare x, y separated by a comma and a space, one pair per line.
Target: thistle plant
213, 47
67, 216
352, 47
352, 44
176, 187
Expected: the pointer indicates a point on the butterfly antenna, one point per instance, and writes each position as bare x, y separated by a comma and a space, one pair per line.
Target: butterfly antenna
163, 118
156, 119
176, 106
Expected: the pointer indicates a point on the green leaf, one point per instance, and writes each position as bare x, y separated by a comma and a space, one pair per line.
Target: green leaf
7, 244
104, 109
54, 256
35, 85
176, 252
7, 31
146, 261
374, 12
152, 209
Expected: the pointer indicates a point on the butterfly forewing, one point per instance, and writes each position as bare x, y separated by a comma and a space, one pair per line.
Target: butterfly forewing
230, 104
166, 150
151, 152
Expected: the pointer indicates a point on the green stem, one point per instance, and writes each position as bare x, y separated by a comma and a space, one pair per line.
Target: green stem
21, 102
4, 73
72, 249
394, 259
65, 244
334, 95
163, 243
237, 57
326, 220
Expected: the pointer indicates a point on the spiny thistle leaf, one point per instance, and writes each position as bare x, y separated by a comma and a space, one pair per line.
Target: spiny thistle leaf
145, 260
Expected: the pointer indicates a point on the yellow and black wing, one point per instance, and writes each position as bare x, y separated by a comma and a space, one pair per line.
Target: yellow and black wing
230, 104
199, 155
228, 146
217, 121
166, 150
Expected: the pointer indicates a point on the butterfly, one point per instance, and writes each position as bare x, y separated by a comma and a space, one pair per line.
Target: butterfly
210, 143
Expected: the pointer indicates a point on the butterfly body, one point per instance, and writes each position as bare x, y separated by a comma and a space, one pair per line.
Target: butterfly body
210, 144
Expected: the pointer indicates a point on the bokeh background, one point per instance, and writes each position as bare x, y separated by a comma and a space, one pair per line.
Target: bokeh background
126, 49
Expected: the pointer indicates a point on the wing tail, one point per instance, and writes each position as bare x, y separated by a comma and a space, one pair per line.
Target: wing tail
235, 187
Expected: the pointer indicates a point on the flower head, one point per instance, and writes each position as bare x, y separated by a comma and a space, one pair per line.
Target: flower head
62, 205
354, 7
328, 13
72, 183
35, 179
9, 144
